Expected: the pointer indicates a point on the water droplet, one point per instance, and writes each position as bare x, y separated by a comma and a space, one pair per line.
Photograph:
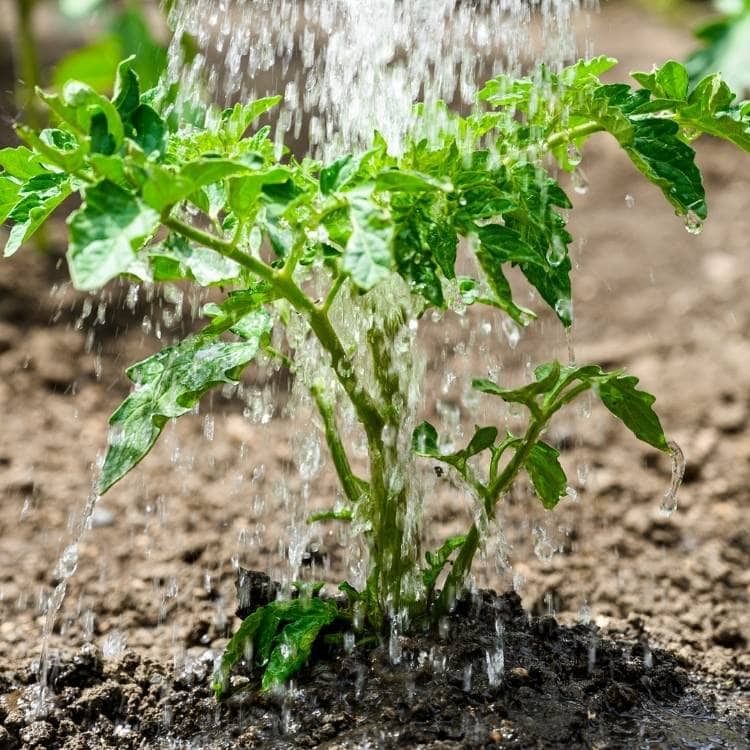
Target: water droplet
582, 472
349, 641
574, 155
693, 223
67, 563
557, 251
584, 613
444, 628
544, 549
669, 501
114, 644
580, 182
512, 332
495, 666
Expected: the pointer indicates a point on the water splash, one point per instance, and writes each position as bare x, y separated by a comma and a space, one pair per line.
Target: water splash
669, 501
347, 67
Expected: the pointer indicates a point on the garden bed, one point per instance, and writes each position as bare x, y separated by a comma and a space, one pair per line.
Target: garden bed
155, 579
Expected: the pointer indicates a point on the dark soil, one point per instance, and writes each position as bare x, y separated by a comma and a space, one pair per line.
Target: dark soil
154, 589
551, 686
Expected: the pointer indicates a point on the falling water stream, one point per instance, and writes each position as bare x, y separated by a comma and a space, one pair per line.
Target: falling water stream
345, 68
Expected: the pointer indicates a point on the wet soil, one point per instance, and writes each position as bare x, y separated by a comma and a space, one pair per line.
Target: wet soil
493, 677
154, 589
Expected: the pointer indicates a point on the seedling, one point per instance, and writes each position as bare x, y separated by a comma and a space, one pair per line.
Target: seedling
299, 243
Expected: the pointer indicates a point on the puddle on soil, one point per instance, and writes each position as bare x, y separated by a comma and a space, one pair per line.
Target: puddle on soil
685, 726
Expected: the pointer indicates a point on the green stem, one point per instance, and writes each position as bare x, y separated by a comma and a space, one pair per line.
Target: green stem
364, 407
572, 134
333, 292
457, 575
353, 486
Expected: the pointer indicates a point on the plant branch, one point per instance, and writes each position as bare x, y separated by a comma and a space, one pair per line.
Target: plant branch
462, 564
571, 134
367, 413
353, 486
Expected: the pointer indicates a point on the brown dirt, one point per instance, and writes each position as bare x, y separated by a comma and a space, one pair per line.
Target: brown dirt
155, 574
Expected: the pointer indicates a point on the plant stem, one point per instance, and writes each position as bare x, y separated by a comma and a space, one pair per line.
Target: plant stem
367, 413
354, 487
572, 134
462, 564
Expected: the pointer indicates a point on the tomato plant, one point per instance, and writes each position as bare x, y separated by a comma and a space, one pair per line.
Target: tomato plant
346, 257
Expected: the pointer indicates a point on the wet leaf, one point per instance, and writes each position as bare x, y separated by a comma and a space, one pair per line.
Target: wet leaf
176, 258
168, 385
367, 256
547, 377
36, 200
620, 395
105, 234
437, 560
408, 181
547, 475
294, 644
238, 119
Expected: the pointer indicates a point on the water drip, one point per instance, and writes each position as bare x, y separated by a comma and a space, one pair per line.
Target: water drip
669, 501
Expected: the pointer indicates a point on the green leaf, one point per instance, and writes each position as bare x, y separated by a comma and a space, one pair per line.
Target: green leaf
237, 120
669, 163
238, 648
186, 261
167, 186
245, 191
437, 560
95, 64
710, 110
56, 147
424, 441
408, 181
21, 163
78, 104
547, 377
295, 642
726, 50
105, 234
670, 81
547, 475
505, 245
9, 196
336, 175
168, 385
586, 71
633, 407
37, 199
148, 130
367, 256
238, 312
149, 57
415, 261
483, 438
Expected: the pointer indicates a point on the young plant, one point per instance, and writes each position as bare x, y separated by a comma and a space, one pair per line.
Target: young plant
347, 256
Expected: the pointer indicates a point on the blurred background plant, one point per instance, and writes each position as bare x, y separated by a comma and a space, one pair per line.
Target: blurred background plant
118, 29
726, 46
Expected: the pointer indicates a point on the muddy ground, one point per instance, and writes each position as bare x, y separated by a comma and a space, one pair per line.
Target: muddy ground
154, 585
